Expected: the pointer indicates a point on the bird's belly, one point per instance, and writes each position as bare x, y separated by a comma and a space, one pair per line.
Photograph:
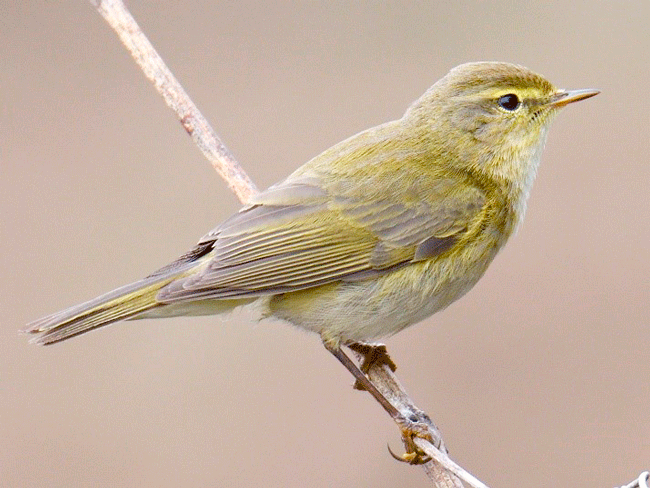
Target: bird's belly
367, 310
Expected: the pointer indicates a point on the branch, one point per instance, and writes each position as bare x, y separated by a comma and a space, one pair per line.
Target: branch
640, 482
154, 68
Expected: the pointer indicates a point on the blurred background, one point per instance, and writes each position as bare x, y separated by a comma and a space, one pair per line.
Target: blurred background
537, 378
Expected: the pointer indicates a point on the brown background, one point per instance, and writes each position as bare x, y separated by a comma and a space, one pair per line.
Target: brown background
539, 377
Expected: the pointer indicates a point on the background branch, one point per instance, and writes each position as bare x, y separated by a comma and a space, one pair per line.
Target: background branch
640, 482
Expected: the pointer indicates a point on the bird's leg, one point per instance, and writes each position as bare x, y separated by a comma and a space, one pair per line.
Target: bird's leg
413, 425
373, 355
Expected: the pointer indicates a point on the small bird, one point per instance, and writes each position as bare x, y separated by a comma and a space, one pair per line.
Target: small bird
376, 233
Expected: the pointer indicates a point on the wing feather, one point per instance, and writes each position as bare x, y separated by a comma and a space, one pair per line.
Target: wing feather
323, 235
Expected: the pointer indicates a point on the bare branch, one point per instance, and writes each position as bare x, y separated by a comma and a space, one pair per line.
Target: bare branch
441, 470
640, 482
119, 18
444, 471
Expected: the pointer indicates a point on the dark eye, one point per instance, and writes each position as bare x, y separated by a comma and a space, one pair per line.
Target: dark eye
509, 101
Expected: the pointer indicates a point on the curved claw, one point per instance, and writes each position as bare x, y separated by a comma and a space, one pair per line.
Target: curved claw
415, 457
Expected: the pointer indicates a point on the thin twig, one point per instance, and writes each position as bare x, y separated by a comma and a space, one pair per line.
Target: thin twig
441, 470
640, 482
119, 18
444, 469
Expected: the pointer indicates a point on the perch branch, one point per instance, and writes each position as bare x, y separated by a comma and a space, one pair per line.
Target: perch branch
154, 68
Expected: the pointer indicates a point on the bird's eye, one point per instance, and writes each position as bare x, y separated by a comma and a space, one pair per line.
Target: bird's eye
509, 102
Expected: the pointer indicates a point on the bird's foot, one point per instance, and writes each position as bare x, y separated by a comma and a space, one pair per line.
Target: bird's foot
412, 428
373, 355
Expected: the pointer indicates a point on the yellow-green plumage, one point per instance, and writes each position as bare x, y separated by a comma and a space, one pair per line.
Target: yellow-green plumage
377, 232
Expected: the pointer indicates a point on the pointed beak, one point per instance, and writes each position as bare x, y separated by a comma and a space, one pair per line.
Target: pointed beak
564, 97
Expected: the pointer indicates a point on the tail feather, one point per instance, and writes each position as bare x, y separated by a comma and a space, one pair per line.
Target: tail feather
120, 304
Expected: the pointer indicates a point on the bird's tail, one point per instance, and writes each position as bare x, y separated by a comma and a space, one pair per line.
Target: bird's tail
123, 303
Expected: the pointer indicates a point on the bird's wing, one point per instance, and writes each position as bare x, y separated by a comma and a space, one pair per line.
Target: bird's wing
302, 233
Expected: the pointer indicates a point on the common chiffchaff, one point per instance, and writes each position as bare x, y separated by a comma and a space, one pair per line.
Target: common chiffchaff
376, 233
